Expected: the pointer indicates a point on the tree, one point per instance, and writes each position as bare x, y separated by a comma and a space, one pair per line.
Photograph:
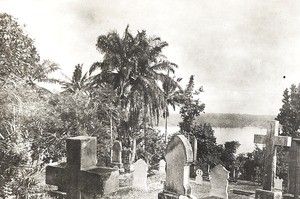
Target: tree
134, 66
41, 73
78, 81
18, 55
19, 59
190, 107
208, 151
172, 92
228, 156
289, 116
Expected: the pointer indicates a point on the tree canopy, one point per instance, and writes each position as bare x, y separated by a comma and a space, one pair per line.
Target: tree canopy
289, 115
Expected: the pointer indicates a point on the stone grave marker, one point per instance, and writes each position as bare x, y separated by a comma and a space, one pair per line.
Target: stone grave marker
178, 155
271, 140
162, 166
294, 167
193, 166
219, 182
140, 175
278, 183
257, 174
117, 154
199, 178
79, 177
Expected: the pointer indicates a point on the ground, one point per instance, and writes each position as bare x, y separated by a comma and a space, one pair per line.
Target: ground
155, 186
199, 191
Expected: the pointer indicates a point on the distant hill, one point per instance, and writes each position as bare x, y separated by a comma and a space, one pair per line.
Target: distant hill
225, 120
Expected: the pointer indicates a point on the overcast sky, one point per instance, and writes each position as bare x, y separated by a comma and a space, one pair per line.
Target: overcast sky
238, 50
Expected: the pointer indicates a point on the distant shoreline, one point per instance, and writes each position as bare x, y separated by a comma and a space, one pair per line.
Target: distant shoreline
224, 120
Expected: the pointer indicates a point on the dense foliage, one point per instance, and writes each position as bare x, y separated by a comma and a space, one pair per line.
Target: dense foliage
289, 116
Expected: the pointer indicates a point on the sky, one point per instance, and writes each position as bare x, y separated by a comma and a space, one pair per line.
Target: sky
243, 52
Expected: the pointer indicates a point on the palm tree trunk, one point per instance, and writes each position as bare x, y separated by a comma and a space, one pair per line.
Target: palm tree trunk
133, 150
111, 136
145, 113
166, 125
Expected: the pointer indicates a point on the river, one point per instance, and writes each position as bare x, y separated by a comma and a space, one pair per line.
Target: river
244, 136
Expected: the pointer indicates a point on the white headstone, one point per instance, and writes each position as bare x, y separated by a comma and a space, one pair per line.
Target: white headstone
199, 178
140, 175
278, 184
179, 155
162, 166
218, 182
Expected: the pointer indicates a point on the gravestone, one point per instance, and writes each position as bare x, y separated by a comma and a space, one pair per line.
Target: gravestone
219, 182
79, 177
257, 174
140, 175
271, 140
178, 155
199, 178
117, 154
193, 166
294, 167
278, 184
162, 166
232, 174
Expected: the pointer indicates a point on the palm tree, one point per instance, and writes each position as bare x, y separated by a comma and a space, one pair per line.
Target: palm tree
41, 73
136, 69
173, 94
78, 81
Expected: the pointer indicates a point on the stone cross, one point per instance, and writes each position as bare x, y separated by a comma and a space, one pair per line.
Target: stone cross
199, 178
162, 166
271, 140
140, 175
179, 156
219, 182
79, 177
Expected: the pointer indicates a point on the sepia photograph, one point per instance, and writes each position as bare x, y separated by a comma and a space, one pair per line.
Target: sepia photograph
140, 99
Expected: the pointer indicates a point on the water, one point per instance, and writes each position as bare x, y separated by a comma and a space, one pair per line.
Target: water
244, 136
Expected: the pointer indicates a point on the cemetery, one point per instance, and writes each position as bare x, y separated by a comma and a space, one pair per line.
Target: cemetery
100, 124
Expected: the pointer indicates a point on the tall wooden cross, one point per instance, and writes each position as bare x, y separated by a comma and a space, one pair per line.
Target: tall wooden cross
271, 140
79, 177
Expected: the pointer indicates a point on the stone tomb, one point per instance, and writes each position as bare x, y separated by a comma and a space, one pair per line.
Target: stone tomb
271, 140
179, 156
79, 177
219, 182
140, 175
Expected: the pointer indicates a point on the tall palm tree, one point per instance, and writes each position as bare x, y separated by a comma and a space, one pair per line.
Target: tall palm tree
173, 94
136, 68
